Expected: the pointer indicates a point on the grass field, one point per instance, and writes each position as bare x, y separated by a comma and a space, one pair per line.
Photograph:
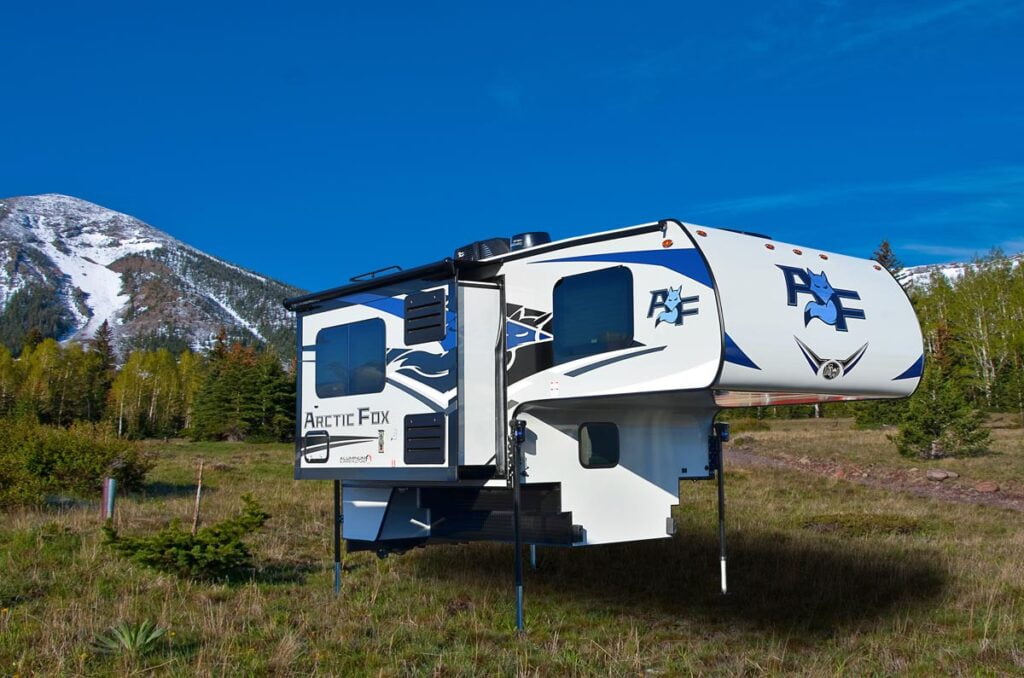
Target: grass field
827, 578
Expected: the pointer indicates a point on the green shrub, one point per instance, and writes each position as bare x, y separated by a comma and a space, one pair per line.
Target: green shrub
214, 552
36, 461
939, 422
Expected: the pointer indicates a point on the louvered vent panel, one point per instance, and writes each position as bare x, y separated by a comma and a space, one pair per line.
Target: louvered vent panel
424, 439
424, 317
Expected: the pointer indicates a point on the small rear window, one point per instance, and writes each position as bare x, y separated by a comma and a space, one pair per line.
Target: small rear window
350, 359
599, 444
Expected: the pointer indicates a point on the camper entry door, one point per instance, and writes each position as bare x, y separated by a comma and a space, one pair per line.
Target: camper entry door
378, 385
481, 381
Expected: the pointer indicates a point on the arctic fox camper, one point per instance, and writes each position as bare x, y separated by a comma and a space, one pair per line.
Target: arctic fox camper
555, 393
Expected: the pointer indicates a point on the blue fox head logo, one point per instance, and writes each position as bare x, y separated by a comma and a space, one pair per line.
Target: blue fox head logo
820, 286
672, 300
826, 302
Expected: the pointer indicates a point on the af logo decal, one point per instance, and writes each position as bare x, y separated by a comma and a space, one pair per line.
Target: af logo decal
831, 368
826, 302
674, 304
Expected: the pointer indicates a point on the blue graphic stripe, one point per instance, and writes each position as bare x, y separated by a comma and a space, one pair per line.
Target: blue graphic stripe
619, 358
915, 370
396, 307
517, 334
387, 304
686, 261
810, 361
849, 368
734, 354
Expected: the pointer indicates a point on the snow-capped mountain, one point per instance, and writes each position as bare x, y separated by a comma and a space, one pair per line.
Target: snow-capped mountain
920, 275
68, 265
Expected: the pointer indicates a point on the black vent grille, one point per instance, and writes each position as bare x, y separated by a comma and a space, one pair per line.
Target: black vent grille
424, 439
424, 317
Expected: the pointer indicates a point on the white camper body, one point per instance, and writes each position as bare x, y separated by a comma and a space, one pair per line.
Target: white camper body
616, 350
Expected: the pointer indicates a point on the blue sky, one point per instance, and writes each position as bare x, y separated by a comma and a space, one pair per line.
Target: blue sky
313, 141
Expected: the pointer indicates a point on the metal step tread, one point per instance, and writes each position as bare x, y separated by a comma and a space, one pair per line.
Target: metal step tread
535, 528
535, 498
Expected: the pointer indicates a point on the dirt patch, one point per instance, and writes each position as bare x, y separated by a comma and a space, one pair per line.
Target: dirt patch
900, 480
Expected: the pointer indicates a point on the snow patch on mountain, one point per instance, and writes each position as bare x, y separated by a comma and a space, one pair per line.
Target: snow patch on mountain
105, 266
238, 318
921, 275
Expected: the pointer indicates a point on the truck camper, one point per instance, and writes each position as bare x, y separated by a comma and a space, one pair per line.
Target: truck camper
555, 393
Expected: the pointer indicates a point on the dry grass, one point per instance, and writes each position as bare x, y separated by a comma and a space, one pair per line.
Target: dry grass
870, 597
837, 440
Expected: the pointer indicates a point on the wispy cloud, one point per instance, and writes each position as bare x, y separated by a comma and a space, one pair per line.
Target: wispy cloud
874, 29
959, 252
942, 250
995, 182
782, 41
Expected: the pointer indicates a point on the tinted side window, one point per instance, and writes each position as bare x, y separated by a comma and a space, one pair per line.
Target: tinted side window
593, 313
350, 359
599, 444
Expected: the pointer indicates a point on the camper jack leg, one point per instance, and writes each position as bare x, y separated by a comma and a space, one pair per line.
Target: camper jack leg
721, 435
518, 436
337, 537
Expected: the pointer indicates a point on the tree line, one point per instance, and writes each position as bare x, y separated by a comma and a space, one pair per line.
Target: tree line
973, 327
973, 330
233, 392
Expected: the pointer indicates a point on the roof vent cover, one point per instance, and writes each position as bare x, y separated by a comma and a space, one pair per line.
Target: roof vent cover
522, 241
482, 249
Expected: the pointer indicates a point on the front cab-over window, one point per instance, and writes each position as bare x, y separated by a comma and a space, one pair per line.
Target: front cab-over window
593, 313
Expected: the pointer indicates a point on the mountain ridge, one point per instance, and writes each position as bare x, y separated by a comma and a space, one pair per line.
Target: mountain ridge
69, 265
952, 271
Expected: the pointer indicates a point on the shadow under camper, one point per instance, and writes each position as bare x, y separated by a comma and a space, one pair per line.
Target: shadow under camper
555, 393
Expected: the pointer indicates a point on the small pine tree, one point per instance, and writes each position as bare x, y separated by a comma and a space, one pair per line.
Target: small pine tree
102, 370
103, 346
887, 258
940, 421
216, 552
220, 345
